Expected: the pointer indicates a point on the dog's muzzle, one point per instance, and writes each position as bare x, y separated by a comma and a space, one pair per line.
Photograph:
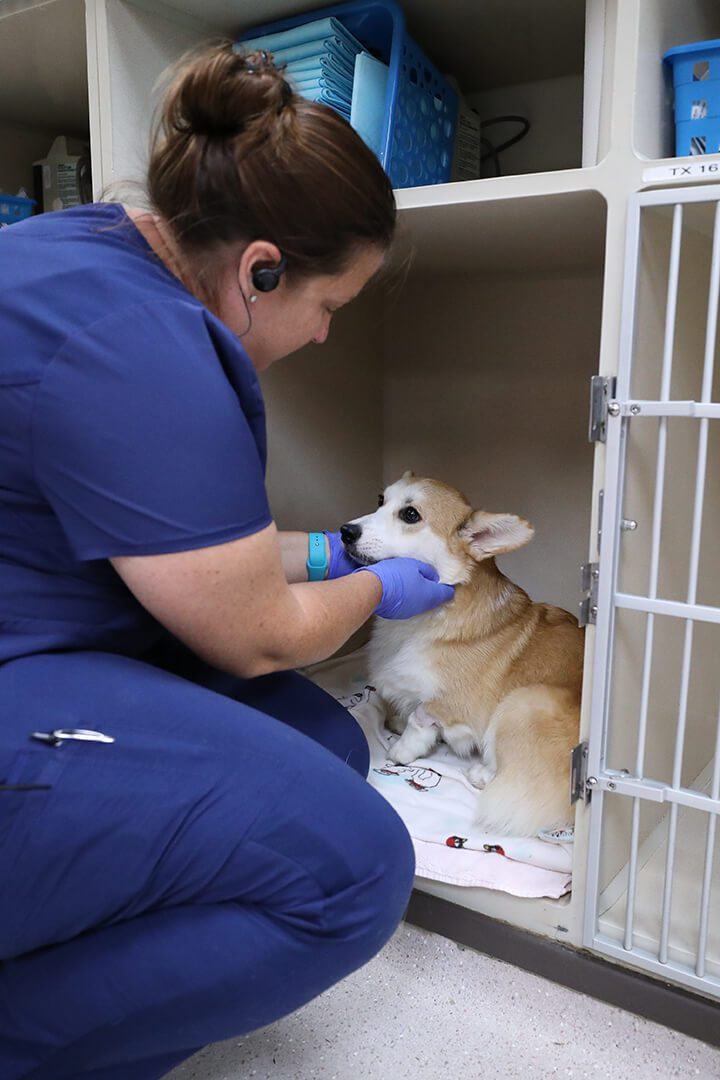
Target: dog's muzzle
350, 534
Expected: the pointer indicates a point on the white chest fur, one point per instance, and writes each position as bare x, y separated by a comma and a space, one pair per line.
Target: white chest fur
401, 664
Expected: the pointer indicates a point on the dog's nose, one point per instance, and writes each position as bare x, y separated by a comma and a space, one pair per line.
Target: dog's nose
350, 533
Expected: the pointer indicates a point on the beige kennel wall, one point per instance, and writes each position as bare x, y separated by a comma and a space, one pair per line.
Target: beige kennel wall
325, 423
487, 387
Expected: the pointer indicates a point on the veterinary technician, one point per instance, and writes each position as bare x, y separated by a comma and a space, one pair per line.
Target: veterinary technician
201, 854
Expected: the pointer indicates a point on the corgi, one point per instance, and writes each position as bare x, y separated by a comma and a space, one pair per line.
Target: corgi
495, 675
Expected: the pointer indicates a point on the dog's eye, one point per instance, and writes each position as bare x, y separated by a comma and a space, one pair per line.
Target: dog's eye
409, 515
381, 500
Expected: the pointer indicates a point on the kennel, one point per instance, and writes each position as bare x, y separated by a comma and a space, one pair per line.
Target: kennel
474, 364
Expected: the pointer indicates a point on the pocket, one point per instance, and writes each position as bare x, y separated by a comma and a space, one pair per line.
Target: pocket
26, 781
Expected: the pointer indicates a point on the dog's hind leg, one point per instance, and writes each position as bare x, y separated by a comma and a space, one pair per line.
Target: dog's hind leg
460, 738
417, 740
482, 772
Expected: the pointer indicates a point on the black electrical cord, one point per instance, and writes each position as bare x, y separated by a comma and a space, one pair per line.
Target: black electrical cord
493, 151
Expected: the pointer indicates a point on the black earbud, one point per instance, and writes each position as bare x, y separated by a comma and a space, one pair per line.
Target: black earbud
267, 278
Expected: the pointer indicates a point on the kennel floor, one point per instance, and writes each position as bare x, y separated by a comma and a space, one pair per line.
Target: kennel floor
426, 1007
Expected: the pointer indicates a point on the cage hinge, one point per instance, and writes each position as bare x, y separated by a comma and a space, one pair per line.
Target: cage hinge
579, 787
602, 393
589, 605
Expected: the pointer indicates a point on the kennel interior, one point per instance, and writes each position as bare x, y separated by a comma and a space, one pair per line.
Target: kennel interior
472, 366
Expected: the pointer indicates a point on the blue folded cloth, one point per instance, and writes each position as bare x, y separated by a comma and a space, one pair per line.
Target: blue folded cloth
326, 64
327, 97
318, 29
319, 60
329, 46
312, 81
367, 112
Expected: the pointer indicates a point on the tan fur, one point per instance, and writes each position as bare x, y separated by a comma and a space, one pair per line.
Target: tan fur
510, 669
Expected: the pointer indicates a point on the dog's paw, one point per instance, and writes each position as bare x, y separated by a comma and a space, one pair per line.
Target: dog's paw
401, 755
480, 775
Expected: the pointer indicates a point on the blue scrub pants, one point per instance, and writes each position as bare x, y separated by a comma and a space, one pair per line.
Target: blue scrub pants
217, 866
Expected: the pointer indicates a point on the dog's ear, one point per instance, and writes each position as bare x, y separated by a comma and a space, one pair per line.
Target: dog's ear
408, 474
487, 535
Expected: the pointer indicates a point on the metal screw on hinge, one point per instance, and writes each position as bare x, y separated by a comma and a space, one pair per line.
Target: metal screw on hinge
613, 408
628, 525
634, 410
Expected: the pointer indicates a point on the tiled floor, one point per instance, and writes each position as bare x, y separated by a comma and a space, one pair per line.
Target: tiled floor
425, 1007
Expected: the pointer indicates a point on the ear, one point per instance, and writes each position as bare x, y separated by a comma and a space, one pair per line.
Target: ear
257, 253
408, 474
487, 535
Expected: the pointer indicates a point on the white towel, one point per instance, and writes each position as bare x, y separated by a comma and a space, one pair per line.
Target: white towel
437, 803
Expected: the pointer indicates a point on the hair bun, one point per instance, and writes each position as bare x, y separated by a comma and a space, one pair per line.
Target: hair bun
224, 90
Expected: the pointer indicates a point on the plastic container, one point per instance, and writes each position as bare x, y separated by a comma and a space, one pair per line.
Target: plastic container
57, 176
14, 208
421, 107
696, 78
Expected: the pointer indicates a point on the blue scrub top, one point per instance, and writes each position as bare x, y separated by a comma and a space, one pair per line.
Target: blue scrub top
131, 423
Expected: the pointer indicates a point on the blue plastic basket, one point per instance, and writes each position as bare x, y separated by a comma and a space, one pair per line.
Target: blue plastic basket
696, 78
14, 208
421, 107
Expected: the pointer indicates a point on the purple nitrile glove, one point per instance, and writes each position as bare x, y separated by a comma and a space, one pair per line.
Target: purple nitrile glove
340, 562
410, 587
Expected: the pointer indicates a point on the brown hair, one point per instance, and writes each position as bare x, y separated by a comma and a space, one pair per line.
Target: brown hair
239, 156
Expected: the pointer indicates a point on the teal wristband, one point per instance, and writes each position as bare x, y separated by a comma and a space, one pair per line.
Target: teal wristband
317, 563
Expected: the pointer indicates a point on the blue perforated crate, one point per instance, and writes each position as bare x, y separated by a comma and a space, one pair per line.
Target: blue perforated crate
696, 78
14, 208
421, 107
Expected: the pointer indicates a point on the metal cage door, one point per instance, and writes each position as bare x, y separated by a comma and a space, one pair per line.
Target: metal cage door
653, 767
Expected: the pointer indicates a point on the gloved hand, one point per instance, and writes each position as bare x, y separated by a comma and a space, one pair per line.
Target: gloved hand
340, 562
410, 587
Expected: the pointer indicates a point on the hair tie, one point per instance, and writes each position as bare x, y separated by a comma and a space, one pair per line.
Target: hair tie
226, 131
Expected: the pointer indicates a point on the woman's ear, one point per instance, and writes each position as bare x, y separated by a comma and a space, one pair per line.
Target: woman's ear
487, 535
257, 254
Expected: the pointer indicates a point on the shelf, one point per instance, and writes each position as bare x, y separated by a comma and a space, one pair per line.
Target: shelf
662, 25
45, 88
537, 915
488, 44
507, 56
44, 67
555, 182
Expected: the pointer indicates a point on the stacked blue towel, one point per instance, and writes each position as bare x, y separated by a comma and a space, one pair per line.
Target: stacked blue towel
324, 62
319, 60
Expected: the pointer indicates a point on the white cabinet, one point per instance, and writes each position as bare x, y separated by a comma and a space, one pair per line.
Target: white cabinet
473, 363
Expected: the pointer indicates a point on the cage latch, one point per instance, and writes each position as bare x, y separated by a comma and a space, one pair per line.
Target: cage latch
578, 773
602, 392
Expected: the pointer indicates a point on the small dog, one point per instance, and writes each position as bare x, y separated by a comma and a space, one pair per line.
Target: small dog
491, 671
